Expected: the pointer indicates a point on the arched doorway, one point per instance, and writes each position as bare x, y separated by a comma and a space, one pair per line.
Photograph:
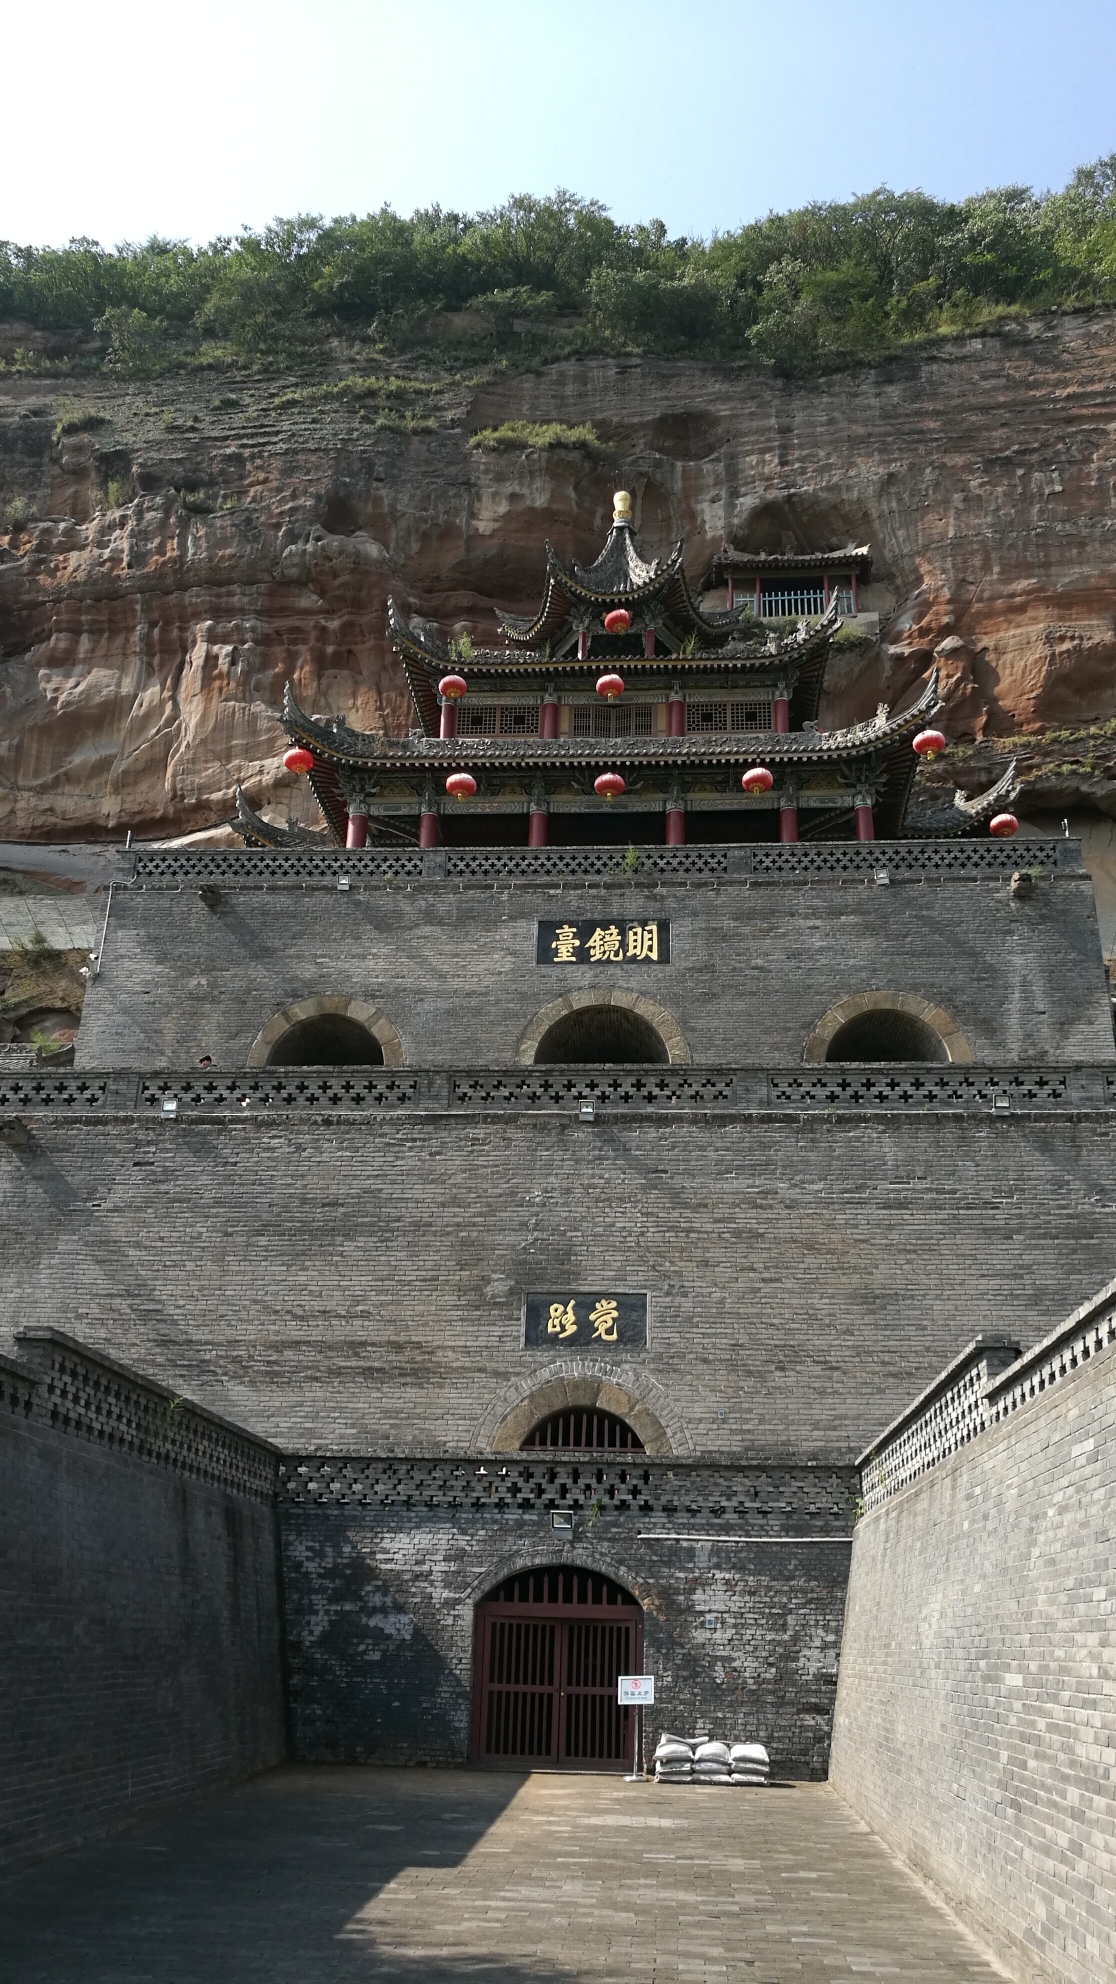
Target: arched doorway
549, 1646
885, 1036
587, 1028
327, 1040
601, 1034
886, 1026
331, 1030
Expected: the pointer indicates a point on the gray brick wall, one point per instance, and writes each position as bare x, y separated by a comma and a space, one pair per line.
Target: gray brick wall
977, 1692
743, 1641
753, 967
356, 1287
139, 1651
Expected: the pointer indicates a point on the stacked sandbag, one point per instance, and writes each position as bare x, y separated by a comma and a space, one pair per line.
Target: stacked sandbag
674, 1760
712, 1763
749, 1764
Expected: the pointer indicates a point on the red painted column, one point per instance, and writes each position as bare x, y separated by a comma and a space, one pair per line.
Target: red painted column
780, 712
757, 596
675, 824
855, 596
582, 644
356, 833
788, 820
731, 593
447, 723
536, 827
865, 824
428, 829
649, 643
676, 713
548, 716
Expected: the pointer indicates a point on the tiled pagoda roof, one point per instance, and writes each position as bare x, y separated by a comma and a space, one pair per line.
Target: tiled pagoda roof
619, 577
426, 657
883, 743
333, 741
848, 558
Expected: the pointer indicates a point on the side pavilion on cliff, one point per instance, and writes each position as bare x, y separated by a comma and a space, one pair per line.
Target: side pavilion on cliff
624, 710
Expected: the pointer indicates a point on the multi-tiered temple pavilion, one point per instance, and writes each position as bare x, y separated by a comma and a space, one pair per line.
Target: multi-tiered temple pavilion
625, 709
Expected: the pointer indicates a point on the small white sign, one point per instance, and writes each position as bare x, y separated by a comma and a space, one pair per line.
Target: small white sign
635, 1688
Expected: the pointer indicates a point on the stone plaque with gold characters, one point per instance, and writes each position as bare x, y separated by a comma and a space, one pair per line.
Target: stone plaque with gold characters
606, 1319
592, 943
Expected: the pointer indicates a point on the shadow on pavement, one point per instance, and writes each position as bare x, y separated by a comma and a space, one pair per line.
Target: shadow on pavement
261, 1882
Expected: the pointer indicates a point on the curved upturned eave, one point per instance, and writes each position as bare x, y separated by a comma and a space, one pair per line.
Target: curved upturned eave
335, 748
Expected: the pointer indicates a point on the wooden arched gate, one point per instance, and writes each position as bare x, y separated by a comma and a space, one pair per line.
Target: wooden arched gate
549, 1647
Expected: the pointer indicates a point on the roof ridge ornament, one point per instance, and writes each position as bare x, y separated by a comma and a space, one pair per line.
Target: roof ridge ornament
622, 508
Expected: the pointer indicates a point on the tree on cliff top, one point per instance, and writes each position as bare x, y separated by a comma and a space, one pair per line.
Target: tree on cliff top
833, 282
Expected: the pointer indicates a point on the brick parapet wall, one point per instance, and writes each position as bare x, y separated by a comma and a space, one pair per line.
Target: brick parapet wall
951, 1411
875, 863
983, 1385
83, 1393
1090, 1330
140, 1650
871, 1088
976, 1698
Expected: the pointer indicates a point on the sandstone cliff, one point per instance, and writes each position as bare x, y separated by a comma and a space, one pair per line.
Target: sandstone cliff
200, 541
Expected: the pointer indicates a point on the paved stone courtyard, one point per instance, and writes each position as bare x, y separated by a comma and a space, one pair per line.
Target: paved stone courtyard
323, 1876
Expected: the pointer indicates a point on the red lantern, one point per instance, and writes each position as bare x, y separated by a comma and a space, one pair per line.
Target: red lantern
610, 686
298, 760
452, 687
461, 785
757, 780
608, 786
928, 743
618, 621
1003, 826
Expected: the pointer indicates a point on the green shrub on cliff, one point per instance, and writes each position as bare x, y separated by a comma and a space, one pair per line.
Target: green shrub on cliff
536, 434
833, 283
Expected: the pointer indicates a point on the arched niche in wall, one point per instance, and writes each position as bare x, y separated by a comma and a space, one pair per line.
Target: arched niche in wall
580, 1395
327, 1032
601, 1028
886, 1027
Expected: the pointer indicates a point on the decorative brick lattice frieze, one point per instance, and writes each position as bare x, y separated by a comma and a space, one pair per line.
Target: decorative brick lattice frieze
765, 1502
93, 1398
985, 1385
864, 863
950, 1413
832, 1086
1088, 1332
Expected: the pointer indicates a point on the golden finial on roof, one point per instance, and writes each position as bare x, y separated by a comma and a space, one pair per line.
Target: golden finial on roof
622, 507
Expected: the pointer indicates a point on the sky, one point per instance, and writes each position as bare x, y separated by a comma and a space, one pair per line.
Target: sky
192, 121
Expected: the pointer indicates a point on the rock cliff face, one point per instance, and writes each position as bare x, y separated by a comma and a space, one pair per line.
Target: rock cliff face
198, 547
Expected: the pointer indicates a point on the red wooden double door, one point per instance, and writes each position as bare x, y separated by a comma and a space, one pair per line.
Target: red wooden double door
549, 1647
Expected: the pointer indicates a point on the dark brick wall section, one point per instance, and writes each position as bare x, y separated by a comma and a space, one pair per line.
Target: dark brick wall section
976, 1698
742, 1636
357, 1287
754, 965
139, 1656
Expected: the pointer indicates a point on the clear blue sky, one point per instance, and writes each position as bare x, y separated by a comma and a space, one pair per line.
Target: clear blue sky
192, 119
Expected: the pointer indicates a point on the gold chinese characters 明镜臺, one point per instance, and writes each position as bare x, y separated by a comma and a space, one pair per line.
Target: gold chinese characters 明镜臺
607, 943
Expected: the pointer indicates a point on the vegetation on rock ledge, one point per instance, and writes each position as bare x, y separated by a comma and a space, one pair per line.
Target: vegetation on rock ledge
830, 284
